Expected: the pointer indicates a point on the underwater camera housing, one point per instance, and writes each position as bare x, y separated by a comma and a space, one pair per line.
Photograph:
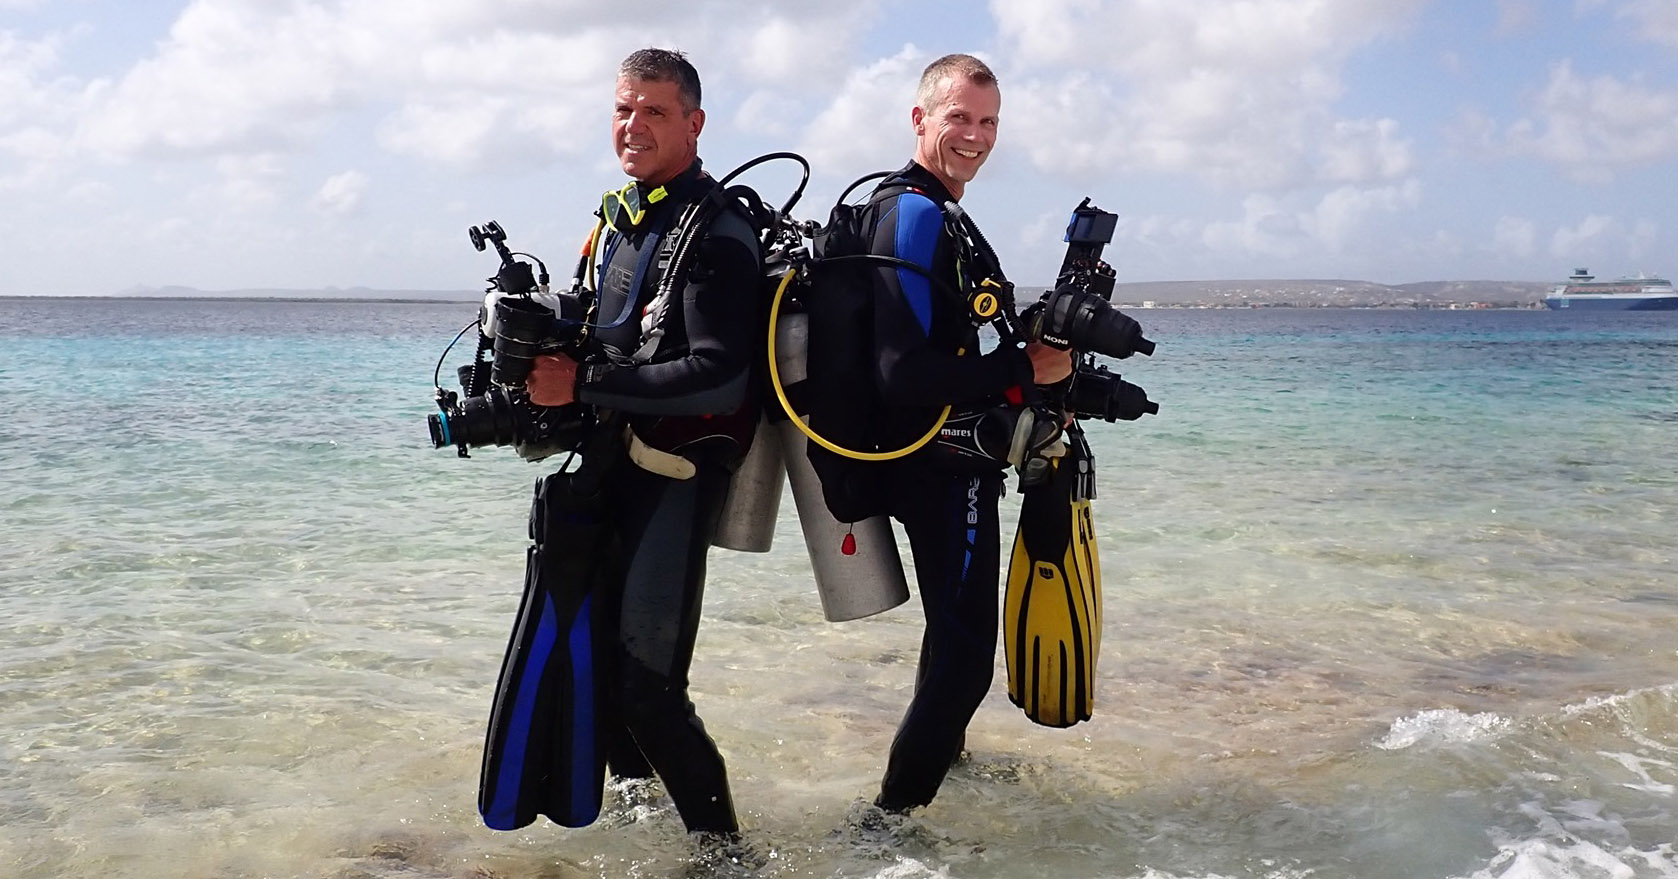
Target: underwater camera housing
518, 321
1077, 315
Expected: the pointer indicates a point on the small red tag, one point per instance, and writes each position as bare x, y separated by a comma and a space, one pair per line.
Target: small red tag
848, 545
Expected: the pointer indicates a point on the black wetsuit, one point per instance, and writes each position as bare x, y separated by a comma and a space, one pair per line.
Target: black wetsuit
948, 508
660, 527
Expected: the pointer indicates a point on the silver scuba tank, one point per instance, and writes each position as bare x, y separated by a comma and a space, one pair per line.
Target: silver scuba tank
857, 569
753, 505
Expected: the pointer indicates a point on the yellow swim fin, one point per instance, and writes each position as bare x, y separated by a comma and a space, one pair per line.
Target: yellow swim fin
1051, 626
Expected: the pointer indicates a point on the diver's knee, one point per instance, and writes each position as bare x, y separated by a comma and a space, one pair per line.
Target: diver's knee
972, 682
973, 691
647, 698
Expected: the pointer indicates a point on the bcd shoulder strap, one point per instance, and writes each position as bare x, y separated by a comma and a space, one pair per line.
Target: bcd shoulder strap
677, 255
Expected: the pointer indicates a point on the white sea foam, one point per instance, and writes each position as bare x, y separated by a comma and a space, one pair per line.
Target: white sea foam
1643, 767
909, 868
1573, 858
1275, 873
1617, 700
1441, 726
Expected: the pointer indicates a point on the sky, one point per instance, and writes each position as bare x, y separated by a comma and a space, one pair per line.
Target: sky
305, 144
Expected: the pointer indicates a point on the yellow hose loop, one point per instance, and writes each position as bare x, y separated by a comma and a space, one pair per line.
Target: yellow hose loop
589, 249
786, 405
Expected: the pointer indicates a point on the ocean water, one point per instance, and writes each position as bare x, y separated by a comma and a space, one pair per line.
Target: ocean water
1387, 594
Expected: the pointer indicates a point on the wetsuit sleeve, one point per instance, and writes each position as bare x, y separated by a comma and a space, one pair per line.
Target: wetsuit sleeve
719, 312
912, 370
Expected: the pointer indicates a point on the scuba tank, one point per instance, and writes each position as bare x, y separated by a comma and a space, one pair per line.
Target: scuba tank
857, 569
856, 566
748, 516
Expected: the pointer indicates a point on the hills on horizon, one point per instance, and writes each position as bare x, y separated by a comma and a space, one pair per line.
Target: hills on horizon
1334, 293
1302, 293
175, 291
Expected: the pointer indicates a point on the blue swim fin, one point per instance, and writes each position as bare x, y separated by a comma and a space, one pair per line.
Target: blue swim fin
543, 753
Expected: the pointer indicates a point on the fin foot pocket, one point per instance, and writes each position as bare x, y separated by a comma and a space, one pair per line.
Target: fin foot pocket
1052, 605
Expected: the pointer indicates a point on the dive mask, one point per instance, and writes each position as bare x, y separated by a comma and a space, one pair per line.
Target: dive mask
626, 209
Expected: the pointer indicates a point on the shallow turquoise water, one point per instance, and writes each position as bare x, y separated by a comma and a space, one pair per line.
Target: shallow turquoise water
1387, 594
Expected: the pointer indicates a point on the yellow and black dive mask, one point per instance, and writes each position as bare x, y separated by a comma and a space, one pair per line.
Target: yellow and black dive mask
626, 209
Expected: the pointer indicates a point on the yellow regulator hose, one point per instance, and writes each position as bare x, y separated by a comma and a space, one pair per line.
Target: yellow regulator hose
781, 394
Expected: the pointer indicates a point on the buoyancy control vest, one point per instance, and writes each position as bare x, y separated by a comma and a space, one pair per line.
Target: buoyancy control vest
657, 333
846, 412
844, 402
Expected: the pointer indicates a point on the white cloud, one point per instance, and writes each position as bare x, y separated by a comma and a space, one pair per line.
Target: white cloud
341, 193
1339, 219
1044, 231
1237, 92
247, 75
811, 41
1516, 17
768, 113
230, 78
32, 144
1360, 151
1599, 237
89, 192
1209, 130
250, 181
32, 98
1338, 223
1515, 237
21, 64
1071, 127
1643, 240
1160, 40
454, 82
855, 129
1656, 19
36, 108
454, 130
1265, 229
1223, 130
1598, 125
1473, 132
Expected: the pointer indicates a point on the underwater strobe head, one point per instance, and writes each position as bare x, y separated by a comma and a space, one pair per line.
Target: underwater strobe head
1097, 393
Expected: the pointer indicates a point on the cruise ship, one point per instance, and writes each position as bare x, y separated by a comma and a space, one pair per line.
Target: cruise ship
1584, 291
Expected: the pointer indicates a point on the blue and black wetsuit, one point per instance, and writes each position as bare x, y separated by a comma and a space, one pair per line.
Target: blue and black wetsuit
660, 528
947, 509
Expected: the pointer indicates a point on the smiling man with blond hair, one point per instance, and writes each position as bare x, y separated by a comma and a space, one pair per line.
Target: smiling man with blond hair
927, 349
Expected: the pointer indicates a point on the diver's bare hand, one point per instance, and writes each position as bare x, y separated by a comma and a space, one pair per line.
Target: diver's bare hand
552, 381
1048, 364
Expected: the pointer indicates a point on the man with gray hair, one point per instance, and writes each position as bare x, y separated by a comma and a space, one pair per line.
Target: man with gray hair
670, 356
